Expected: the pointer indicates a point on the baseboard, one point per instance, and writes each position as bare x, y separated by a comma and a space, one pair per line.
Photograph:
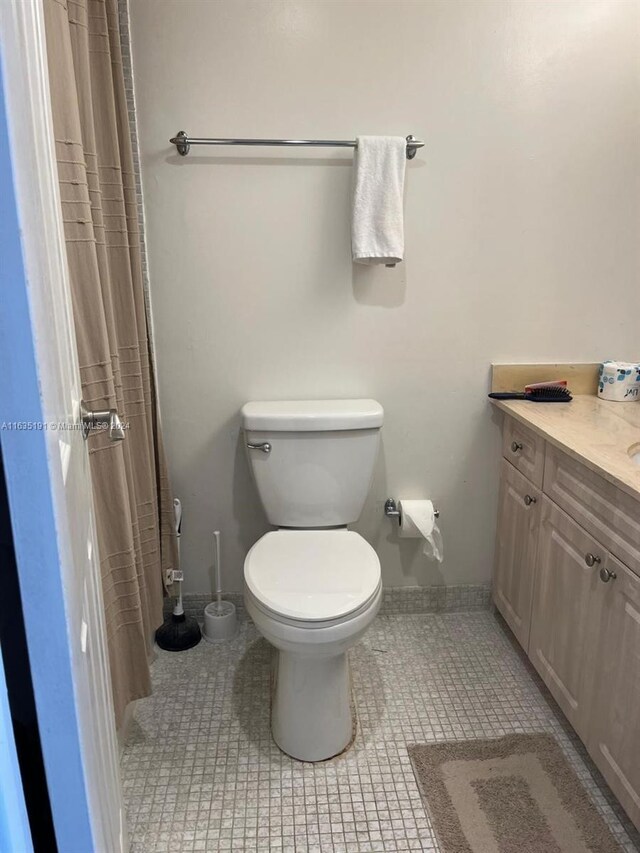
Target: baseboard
395, 600
436, 599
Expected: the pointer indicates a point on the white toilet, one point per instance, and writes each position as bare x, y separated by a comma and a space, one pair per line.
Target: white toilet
312, 587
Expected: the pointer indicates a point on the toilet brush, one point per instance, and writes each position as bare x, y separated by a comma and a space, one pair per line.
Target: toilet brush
179, 632
219, 616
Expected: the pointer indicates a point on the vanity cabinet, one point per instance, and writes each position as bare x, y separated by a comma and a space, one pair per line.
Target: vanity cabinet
567, 581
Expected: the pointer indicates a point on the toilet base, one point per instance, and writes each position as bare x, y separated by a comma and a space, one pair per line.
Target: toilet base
311, 718
311, 711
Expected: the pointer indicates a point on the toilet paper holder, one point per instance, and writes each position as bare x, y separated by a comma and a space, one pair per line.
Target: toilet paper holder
391, 510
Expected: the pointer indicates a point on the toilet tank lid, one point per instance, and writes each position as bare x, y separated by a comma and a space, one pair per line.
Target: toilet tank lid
312, 415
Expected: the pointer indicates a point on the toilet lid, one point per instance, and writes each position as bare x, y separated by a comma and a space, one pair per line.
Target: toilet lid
312, 574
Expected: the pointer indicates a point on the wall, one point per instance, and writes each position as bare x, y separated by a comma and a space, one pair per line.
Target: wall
522, 236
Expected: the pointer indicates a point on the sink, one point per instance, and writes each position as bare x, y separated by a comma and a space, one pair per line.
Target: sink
634, 453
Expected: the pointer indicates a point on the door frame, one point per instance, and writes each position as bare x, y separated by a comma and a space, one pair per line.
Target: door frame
39, 358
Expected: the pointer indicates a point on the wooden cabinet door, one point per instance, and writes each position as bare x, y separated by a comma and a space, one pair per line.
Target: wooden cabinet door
561, 627
516, 545
614, 729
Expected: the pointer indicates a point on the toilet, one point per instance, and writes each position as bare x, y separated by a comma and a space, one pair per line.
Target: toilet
312, 587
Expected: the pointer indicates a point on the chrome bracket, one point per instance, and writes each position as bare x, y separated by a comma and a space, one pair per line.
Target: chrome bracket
181, 141
391, 510
411, 149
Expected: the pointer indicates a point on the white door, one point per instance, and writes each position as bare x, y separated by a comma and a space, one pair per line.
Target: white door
46, 461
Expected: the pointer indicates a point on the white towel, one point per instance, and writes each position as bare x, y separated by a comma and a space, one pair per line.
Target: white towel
377, 227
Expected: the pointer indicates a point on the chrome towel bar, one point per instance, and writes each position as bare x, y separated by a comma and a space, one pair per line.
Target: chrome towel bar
183, 143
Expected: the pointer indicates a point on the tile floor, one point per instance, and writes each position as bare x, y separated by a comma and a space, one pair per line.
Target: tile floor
201, 773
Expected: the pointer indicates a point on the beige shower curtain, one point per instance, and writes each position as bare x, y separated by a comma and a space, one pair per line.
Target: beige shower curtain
134, 513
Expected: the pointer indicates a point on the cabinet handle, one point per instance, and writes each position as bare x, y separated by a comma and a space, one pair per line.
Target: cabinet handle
516, 446
607, 575
591, 560
529, 499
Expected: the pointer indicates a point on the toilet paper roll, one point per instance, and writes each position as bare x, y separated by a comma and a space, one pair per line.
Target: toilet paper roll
619, 381
419, 522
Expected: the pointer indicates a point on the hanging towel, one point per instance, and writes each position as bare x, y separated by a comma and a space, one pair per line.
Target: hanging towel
377, 227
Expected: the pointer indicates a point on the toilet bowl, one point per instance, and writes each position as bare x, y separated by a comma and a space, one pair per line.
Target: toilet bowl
312, 595
312, 587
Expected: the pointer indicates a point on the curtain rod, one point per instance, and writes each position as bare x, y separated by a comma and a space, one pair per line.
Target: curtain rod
183, 143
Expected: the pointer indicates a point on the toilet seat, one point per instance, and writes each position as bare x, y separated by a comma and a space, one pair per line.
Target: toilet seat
312, 576
307, 625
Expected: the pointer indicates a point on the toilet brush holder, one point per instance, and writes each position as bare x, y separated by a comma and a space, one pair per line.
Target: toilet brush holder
219, 621
219, 616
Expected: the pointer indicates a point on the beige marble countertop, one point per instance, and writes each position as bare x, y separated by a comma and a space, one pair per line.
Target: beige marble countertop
593, 431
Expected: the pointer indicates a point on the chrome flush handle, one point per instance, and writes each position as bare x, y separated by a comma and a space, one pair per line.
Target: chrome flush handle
264, 446
101, 419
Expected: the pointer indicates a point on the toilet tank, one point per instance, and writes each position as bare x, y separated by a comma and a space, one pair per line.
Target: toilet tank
314, 461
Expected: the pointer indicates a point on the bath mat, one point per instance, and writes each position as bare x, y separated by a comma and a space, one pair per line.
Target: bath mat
515, 794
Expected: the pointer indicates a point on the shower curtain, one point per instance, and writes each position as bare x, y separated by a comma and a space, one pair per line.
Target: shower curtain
132, 497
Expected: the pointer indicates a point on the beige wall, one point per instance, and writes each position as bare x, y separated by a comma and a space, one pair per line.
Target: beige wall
522, 236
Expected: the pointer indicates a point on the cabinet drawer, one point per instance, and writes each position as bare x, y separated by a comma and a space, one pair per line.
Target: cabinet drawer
608, 513
524, 449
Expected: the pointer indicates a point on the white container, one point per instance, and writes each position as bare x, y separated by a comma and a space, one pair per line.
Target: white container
619, 381
219, 621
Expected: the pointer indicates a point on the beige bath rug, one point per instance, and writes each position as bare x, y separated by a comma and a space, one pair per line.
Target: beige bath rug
515, 794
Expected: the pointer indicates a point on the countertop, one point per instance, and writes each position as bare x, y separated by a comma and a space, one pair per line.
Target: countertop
593, 431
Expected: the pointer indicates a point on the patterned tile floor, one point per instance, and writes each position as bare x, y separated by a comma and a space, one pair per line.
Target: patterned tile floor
201, 773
